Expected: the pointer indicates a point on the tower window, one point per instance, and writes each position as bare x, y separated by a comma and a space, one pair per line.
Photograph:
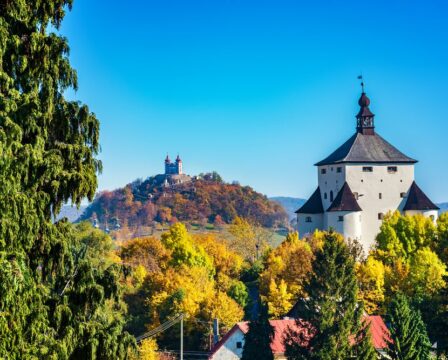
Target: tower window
325, 196
339, 169
403, 195
323, 171
331, 196
356, 195
340, 218
308, 219
239, 345
380, 216
367, 169
380, 196
392, 169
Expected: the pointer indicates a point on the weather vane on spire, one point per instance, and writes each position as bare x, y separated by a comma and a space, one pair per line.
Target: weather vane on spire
362, 82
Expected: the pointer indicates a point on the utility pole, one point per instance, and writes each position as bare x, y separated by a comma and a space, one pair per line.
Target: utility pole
182, 337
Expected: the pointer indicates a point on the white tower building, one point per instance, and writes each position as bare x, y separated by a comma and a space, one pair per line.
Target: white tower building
358, 183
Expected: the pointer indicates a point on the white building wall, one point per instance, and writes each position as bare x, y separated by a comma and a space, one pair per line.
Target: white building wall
379, 192
350, 226
305, 227
229, 350
329, 182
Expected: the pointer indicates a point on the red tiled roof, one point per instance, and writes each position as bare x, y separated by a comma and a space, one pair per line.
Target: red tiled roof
378, 330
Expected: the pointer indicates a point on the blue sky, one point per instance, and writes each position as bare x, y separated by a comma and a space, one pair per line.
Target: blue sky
260, 90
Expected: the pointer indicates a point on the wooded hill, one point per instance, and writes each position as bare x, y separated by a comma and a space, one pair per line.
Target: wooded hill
204, 199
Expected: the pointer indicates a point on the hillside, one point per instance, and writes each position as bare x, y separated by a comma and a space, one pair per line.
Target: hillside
202, 199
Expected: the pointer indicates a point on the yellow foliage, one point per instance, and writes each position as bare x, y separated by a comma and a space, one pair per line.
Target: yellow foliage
225, 261
278, 299
224, 308
139, 275
371, 277
191, 287
290, 262
427, 272
148, 350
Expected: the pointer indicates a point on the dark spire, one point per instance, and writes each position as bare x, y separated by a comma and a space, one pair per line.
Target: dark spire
365, 118
167, 159
178, 158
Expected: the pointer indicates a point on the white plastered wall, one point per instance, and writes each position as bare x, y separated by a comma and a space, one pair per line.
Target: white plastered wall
229, 350
350, 226
368, 186
305, 227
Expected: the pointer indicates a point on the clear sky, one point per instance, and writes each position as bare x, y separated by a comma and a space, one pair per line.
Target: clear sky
260, 90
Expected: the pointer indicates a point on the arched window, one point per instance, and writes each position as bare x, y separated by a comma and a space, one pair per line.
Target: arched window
331, 195
325, 196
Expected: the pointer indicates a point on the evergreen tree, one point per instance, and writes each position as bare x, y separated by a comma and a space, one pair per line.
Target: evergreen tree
408, 337
56, 302
257, 341
331, 313
364, 348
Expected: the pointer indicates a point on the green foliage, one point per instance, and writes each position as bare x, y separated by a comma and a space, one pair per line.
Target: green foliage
331, 310
55, 300
364, 347
409, 339
184, 250
401, 236
257, 341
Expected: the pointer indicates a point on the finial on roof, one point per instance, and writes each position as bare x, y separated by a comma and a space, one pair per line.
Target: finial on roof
167, 159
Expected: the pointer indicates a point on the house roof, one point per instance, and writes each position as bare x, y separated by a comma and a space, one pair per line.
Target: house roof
313, 205
361, 148
417, 200
378, 329
280, 328
345, 200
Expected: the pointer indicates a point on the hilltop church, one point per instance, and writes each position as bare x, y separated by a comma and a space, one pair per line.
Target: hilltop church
360, 182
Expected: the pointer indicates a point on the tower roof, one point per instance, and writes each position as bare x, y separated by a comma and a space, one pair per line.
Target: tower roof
167, 159
178, 158
345, 200
417, 200
313, 205
362, 148
366, 146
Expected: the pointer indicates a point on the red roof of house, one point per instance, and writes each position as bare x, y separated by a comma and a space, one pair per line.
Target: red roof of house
378, 331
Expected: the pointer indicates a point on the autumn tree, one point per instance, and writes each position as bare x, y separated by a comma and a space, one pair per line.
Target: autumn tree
331, 310
286, 270
56, 300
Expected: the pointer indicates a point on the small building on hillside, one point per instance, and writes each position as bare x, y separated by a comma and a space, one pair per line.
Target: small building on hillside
361, 181
230, 347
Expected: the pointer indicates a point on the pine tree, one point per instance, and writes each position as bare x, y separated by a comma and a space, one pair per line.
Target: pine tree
364, 348
55, 301
331, 311
408, 337
257, 341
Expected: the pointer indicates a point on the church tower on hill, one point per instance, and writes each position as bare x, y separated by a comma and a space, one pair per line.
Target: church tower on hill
360, 182
173, 168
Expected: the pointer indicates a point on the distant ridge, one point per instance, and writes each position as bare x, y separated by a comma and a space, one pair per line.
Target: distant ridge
290, 204
71, 212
